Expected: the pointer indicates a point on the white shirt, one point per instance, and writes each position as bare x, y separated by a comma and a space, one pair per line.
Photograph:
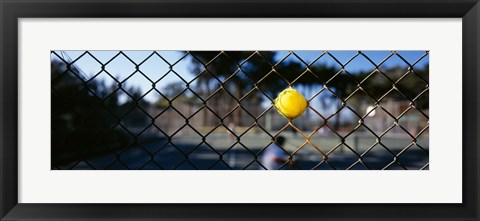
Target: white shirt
270, 154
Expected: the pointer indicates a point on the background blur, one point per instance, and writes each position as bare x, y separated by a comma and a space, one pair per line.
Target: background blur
213, 110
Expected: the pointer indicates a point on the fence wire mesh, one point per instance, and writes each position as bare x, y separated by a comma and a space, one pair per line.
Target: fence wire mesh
223, 115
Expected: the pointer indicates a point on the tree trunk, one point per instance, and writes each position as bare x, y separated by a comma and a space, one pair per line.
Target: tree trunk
337, 118
205, 111
237, 114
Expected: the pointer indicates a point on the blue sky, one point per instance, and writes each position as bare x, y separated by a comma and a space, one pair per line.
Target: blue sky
155, 68
360, 63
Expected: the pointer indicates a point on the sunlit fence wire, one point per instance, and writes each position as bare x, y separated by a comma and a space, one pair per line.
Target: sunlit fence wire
103, 126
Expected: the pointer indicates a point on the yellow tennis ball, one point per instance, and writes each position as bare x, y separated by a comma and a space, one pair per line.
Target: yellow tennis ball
290, 103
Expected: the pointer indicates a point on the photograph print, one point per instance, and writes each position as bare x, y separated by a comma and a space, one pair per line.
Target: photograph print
240, 110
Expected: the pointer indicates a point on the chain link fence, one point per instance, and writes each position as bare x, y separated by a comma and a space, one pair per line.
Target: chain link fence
214, 110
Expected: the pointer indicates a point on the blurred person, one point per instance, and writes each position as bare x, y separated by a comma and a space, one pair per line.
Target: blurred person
322, 131
274, 156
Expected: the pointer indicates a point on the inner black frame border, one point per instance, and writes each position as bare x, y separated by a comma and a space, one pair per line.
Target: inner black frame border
12, 10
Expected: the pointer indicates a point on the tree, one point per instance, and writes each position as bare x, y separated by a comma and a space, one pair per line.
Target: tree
85, 113
214, 66
221, 65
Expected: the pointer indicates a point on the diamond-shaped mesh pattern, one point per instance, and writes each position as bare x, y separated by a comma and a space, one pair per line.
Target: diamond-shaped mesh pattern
222, 116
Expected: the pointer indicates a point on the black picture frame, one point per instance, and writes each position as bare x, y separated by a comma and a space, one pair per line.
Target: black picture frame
12, 10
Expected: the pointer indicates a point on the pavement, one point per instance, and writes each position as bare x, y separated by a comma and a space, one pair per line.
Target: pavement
157, 153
